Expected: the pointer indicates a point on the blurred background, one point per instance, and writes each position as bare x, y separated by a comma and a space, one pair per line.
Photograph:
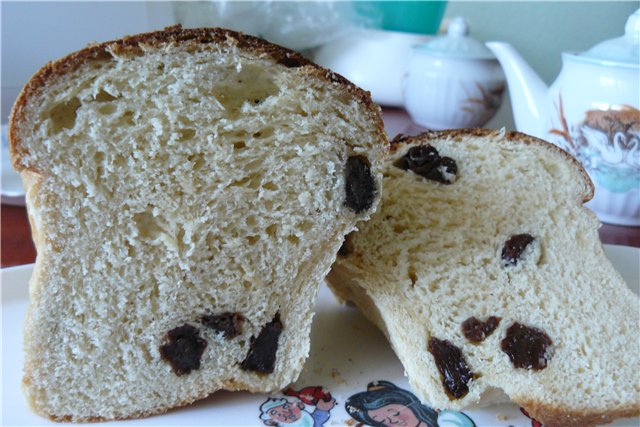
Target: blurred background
36, 32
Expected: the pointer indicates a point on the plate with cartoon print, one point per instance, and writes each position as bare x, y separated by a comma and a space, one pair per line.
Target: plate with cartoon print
352, 376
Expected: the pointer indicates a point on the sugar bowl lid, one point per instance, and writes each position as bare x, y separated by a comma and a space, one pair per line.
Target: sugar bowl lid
624, 50
456, 44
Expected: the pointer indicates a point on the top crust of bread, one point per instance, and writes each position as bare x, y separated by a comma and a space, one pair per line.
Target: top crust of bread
400, 141
131, 46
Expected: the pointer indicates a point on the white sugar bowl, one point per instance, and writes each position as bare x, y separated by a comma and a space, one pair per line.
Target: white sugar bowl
453, 81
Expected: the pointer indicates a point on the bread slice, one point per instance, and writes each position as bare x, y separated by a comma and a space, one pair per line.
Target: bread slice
188, 191
435, 256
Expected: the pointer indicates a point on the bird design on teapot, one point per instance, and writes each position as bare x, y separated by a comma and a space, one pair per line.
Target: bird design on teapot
606, 142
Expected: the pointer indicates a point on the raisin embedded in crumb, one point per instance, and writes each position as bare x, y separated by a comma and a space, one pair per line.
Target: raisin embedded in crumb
475, 330
424, 160
422, 155
453, 368
450, 165
514, 247
183, 349
262, 350
230, 324
527, 347
360, 186
420, 159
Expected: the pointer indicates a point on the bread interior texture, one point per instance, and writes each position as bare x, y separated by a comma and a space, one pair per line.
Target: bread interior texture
430, 258
171, 184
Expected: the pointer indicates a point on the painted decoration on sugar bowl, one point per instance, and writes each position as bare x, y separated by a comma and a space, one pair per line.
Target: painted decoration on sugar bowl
591, 111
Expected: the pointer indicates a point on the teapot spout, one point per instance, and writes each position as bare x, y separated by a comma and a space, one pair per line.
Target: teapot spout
526, 88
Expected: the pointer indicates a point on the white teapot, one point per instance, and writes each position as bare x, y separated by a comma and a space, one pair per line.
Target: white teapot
591, 111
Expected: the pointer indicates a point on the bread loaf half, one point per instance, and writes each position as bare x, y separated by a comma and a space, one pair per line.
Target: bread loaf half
188, 191
487, 275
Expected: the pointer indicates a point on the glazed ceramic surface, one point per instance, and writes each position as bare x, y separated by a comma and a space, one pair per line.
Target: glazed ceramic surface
375, 60
601, 128
453, 81
591, 111
452, 93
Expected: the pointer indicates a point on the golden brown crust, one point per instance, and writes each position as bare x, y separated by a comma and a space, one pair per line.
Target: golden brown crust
229, 385
402, 140
131, 45
556, 416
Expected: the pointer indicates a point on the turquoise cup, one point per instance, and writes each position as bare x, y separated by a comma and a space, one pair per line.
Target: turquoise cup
421, 17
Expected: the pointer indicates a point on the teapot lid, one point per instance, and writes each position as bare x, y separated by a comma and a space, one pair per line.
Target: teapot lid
457, 43
625, 49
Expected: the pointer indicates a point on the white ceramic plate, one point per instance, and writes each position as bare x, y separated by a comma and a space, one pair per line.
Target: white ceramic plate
11, 184
347, 353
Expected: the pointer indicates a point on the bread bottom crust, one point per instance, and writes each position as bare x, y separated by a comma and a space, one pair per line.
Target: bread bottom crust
557, 416
230, 385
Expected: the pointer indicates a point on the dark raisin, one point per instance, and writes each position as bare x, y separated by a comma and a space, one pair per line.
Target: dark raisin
527, 347
360, 186
450, 165
453, 368
262, 350
513, 248
475, 330
230, 324
421, 156
183, 349
424, 160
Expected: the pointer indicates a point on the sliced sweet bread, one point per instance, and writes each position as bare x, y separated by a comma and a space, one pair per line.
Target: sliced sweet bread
188, 191
487, 276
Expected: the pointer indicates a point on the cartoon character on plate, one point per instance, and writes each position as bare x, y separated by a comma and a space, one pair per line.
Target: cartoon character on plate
299, 409
385, 405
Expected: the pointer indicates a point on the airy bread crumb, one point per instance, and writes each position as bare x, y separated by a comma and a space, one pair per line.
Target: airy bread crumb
176, 175
431, 258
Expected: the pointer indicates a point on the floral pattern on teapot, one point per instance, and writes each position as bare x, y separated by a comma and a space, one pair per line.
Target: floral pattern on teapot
606, 142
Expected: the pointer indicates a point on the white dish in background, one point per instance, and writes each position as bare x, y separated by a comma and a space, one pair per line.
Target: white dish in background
375, 60
337, 362
11, 191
